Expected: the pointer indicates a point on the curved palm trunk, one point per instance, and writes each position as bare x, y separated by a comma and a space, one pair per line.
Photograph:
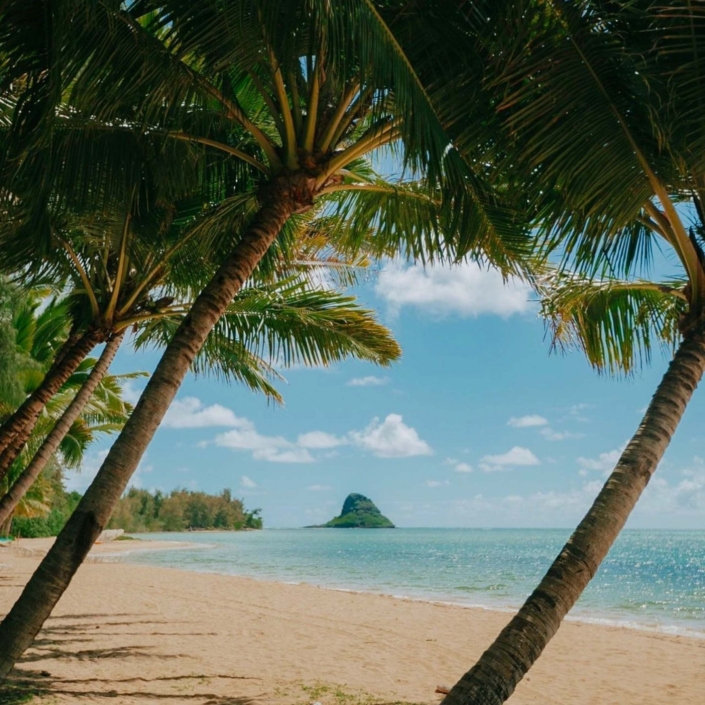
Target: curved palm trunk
493, 678
62, 427
9, 427
17, 429
52, 577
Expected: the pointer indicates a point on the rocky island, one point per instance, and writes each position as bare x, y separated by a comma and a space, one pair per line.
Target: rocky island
359, 512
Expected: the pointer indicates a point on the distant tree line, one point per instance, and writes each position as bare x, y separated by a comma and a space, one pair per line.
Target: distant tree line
182, 510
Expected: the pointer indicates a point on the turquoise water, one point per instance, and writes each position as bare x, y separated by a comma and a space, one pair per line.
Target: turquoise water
651, 579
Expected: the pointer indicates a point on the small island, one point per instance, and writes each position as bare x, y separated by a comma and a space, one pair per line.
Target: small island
359, 512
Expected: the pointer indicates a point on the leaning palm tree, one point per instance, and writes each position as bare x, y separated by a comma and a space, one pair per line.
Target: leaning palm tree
600, 103
298, 93
130, 270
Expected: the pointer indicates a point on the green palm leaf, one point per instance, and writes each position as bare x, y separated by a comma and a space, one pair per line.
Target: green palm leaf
615, 323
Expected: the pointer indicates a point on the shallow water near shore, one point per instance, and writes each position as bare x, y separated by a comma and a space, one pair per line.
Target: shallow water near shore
651, 579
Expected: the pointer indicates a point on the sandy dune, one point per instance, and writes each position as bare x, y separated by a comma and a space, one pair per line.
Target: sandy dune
140, 635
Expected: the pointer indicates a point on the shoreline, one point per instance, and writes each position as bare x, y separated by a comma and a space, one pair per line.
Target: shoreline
119, 551
141, 634
584, 615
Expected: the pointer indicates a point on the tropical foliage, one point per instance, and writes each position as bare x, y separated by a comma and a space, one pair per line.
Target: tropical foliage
182, 510
285, 101
238, 135
35, 329
46, 507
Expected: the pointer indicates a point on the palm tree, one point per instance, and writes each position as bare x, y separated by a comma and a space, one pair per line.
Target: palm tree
297, 93
600, 103
118, 263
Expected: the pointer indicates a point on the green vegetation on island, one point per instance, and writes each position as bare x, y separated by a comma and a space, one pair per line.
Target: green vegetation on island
359, 512
182, 510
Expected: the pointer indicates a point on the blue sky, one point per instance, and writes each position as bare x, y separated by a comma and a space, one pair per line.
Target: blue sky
477, 425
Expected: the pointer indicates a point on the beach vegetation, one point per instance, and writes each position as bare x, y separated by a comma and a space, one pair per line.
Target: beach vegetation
32, 488
182, 510
327, 694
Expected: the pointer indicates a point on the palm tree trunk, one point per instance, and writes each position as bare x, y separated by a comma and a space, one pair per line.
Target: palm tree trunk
6, 527
495, 676
52, 577
16, 430
62, 427
8, 428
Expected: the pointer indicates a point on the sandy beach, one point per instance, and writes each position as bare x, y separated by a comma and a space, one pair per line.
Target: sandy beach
139, 635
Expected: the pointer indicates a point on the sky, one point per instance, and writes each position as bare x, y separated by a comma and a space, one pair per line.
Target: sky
478, 425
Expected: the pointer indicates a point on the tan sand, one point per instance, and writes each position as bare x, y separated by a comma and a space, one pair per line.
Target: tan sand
141, 635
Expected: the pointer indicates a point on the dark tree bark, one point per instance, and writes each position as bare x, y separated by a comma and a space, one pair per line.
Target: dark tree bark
495, 676
16, 430
58, 433
289, 195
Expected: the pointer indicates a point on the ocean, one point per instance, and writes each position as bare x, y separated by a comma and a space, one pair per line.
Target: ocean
651, 579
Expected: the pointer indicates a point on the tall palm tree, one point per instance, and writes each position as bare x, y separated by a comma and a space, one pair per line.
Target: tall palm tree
601, 107
298, 92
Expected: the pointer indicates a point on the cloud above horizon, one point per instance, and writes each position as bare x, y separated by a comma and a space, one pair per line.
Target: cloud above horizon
458, 465
604, 462
516, 457
390, 438
529, 421
189, 412
369, 381
467, 290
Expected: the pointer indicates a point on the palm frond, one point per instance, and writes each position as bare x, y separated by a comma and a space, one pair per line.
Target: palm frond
615, 323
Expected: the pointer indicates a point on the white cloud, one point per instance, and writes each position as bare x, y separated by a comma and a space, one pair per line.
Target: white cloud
369, 381
247, 482
391, 438
604, 463
559, 502
275, 449
467, 290
319, 440
437, 483
517, 456
458, 466
527, 421
319, 488
130, 392
79, 481
576, 411
685, 497
189, 412
550, 435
